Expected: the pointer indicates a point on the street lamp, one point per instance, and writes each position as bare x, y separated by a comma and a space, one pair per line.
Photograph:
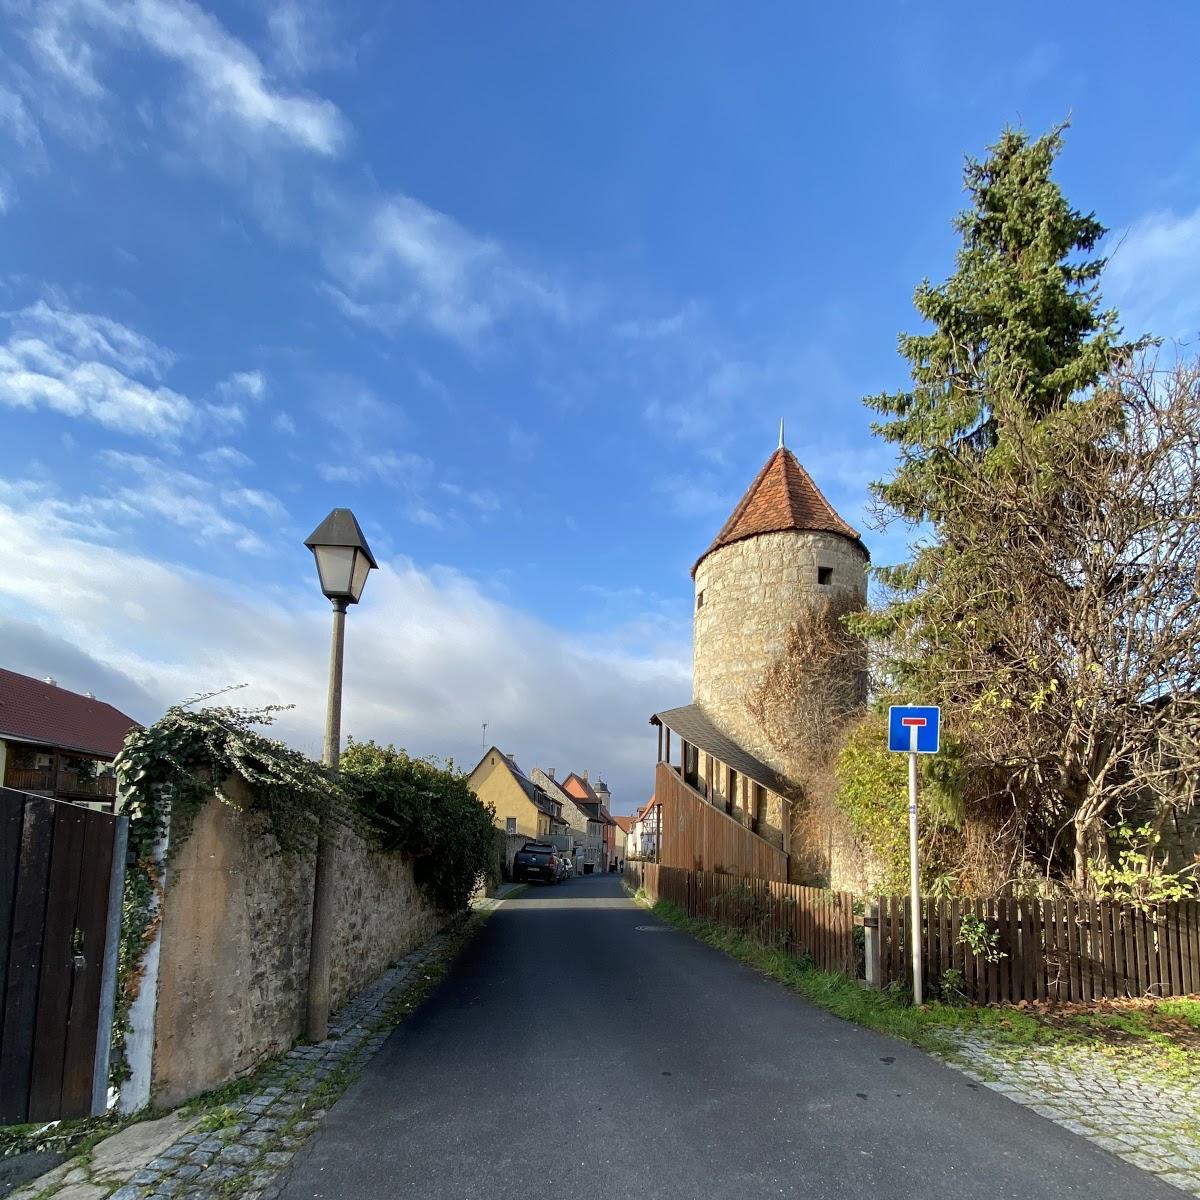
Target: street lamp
343, 562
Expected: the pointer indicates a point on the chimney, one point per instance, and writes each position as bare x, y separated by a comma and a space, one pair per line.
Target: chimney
51, 681
585, 779
90, 695
550, 772
512, 758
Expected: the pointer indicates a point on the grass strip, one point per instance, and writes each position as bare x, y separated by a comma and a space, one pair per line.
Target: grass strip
1149, 1035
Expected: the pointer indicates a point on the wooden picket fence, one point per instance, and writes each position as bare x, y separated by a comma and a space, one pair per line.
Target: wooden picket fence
1063, 950
1060, 950
798, 919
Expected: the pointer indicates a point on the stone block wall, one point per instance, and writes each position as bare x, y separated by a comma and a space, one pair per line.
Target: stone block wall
748, 597
236, 919
753, 592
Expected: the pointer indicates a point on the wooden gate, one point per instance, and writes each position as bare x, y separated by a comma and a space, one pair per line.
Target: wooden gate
61, 872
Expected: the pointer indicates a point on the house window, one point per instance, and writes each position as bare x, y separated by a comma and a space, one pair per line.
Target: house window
757, 805
824, 575
700, 598
510, 824
731, 791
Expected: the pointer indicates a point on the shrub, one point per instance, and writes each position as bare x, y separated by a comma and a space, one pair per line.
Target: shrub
872, 792
424, 810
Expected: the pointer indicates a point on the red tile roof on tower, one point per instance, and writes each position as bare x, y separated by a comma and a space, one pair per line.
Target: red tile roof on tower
782, 496
578, 787
34, 711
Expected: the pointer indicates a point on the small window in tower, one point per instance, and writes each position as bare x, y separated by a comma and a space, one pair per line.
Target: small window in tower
824, 575
700, 599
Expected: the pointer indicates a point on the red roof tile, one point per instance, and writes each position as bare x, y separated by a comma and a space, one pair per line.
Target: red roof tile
34, 711
782, 496
626, 823
578, 787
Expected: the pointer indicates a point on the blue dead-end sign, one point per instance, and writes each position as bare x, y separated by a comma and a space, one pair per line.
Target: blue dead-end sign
914, 729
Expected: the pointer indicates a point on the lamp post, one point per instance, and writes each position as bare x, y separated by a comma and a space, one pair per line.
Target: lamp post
343, 562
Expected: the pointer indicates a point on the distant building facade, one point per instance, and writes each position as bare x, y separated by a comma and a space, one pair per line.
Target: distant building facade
522, 808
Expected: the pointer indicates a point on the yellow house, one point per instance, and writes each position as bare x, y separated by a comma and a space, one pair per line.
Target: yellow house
521, 806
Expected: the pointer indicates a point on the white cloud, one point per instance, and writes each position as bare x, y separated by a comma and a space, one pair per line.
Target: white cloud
483, 500
87, 335
210, 510
397, 262
652, 329
304, 38
252, 384
17, 123
227, 458
226, 85
387, 466
82, 365
234, 390
1151, 275
428, 654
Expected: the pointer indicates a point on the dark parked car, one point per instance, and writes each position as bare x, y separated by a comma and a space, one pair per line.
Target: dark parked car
536, 860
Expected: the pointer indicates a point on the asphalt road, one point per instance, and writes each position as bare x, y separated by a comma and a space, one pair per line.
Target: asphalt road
580, 1048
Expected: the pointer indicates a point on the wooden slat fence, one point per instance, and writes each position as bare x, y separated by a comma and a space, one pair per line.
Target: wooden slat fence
801, 920
698, 836
1063, 950
61, 867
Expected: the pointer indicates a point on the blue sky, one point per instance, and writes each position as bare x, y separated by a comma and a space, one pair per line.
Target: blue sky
527, 286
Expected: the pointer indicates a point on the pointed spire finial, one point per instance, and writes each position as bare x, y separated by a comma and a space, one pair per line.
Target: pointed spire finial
781, 433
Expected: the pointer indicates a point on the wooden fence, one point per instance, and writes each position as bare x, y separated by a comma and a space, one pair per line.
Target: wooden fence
801, 920
698, 836
61, 867
1064, 950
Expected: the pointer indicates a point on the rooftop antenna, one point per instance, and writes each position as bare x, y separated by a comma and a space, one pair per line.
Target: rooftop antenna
483, 739
781, 433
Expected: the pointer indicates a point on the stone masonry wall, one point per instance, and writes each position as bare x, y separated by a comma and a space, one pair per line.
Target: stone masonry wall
233, 972
748, 595
753, 592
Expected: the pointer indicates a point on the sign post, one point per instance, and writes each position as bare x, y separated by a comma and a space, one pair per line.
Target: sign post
914, 730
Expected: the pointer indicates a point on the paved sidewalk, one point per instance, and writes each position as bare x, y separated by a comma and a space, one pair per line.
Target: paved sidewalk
249, 1154
1149, 1119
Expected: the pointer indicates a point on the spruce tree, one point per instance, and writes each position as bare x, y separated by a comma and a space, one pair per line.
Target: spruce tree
1025, 294
1018, 338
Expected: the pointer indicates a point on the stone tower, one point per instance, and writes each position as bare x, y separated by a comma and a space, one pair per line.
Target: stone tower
782, 549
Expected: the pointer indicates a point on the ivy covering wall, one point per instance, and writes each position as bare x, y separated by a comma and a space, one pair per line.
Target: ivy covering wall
400, 805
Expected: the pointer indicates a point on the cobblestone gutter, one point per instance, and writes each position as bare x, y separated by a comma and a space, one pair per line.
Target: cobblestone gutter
1149, 1119
250, 1153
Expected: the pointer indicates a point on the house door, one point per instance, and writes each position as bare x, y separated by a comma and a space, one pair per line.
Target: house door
61, 870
